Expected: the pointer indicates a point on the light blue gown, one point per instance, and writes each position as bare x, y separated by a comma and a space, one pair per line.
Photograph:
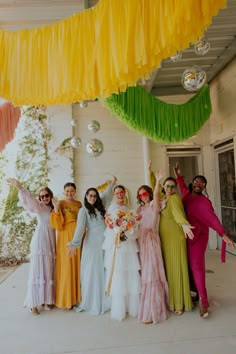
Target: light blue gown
92, 273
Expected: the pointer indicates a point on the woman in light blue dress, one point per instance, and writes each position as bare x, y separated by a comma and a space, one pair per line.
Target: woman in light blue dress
92, 276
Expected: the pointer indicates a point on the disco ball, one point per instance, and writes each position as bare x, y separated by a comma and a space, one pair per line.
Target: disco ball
73, 122
83, 104
193, 78
75, 142
94, 126
202, 46
94, 148
176, 57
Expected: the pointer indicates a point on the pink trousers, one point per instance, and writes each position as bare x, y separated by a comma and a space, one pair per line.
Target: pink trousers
196, 257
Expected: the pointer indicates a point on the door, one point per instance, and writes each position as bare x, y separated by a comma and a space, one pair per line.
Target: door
227, 190
189, 160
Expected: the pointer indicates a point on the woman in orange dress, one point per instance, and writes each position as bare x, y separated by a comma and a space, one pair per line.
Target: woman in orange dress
63, 219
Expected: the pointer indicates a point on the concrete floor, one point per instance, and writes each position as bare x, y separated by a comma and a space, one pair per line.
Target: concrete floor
60, 331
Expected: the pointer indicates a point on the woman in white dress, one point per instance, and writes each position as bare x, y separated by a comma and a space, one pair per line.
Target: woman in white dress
122, 266
92, 274
41, 281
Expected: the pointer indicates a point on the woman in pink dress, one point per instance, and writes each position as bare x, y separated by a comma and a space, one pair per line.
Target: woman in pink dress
41, 281
201, 215
153, 306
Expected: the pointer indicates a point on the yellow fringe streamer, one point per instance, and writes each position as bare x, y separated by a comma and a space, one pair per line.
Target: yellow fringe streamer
98, 51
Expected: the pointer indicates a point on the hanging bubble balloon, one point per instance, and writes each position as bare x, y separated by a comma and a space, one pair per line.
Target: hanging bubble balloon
75, 142
193, 78
94, 126
202, 46
176, 57
94, 147
73, 122
83, 104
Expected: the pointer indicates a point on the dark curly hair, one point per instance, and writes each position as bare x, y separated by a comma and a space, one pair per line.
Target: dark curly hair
148, 190
203, 178
50, 194
97, 205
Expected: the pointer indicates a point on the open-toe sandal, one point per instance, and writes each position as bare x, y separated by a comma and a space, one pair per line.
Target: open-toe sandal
34, 311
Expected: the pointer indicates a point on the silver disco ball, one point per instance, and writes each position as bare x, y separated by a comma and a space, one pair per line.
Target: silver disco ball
202, 46
73, 122
75, 142
176, 57
193, 78
94, 148
83, 104
94, 126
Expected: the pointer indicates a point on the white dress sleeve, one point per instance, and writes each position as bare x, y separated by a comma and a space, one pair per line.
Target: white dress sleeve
107, 195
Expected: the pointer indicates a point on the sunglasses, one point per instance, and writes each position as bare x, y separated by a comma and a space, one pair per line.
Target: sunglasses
92, 195
44, 196
171, 186
144, 194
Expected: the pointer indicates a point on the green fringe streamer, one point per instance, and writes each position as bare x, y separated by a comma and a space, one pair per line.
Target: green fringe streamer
158, 120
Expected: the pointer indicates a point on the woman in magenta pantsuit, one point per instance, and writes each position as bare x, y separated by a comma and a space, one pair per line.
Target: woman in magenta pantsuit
153, 305
201, 215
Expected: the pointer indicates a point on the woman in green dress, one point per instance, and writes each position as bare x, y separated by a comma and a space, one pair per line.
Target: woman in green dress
174, 229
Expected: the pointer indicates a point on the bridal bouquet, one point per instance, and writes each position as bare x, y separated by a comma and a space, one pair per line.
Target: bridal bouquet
122, 222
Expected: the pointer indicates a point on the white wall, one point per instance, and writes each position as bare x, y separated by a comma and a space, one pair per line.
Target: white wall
122, 155
59, 118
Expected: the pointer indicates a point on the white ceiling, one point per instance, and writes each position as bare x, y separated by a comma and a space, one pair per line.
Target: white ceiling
19, 14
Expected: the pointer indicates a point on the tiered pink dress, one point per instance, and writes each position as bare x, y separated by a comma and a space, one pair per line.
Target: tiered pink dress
154, 292
41, 281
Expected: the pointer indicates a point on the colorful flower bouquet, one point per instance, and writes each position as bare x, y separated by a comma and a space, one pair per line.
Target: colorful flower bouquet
122, 222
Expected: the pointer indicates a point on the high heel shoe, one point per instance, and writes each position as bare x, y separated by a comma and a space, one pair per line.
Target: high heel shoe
203, 311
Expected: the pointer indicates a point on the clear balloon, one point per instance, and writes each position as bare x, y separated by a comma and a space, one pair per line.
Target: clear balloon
94, 126
193, 78
83, 104
202, 46
176, 57
75, 142
73, 122
94, 147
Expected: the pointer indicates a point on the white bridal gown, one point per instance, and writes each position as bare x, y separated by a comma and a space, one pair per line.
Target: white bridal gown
125, 286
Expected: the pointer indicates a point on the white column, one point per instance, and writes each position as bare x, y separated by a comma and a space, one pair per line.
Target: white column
146, 158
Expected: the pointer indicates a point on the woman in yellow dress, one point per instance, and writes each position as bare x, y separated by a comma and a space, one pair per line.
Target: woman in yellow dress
63, 219
174, 229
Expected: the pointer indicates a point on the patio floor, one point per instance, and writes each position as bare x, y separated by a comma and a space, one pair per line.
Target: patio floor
59, 331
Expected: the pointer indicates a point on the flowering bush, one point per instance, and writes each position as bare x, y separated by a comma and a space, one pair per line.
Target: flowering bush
122, 222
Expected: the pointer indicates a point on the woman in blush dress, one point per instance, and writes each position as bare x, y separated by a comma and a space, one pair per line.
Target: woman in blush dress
153, 305
41, 282
63, 219
92, 274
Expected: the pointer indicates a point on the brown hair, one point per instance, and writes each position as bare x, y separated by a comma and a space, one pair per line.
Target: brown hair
148, 190
50, 194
